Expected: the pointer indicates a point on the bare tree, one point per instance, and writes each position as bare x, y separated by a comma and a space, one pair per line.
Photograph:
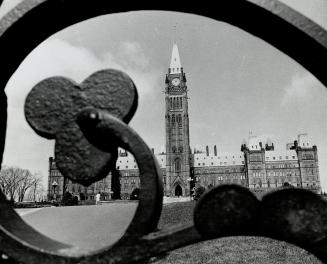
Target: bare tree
37, 192
15, 182
9, 178
27, 180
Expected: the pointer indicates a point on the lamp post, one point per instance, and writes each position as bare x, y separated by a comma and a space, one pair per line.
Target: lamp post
111, 194
190, 180
54, 185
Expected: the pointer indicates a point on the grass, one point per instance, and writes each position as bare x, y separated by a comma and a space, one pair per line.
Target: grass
229, 249
176, 213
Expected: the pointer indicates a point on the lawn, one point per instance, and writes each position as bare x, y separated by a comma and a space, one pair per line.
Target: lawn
93, 227
228, 249
176, 213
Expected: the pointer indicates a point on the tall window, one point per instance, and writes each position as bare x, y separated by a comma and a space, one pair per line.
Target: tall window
173, 120
260, 184
179, 120
177, 165
174, 149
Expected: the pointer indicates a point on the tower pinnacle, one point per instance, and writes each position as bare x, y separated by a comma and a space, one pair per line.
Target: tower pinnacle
175, 63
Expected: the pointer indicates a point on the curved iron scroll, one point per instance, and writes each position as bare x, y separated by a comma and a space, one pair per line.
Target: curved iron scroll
279, 25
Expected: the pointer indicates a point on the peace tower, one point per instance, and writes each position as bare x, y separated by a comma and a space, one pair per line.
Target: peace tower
177, 129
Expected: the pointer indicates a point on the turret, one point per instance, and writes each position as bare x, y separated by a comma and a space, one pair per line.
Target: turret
166, 80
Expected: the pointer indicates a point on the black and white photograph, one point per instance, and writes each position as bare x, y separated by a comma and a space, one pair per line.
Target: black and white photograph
163, 133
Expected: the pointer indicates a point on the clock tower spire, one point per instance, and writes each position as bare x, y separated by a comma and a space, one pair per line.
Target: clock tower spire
177, 129
175, 63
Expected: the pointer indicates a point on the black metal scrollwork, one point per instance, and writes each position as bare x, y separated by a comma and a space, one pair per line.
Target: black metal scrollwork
51, 108
293, 215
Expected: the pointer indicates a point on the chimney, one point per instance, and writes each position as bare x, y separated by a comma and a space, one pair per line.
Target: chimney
215, 150
50, 162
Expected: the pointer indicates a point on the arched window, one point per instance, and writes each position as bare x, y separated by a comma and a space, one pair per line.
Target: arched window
177, 165
179, 120
174, 149
171, 103
174, 103
181, 102
173, 120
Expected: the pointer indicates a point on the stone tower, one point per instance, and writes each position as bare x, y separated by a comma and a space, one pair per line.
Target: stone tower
177, 129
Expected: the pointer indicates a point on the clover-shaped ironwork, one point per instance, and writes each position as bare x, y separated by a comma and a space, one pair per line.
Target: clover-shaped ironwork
51, 108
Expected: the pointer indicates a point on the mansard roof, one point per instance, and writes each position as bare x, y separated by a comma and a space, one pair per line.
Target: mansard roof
281, 155
128, 162
222, 159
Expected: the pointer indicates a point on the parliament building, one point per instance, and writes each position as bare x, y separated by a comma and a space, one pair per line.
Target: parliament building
257, 165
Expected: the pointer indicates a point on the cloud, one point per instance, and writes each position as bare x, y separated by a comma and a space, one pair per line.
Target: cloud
7, 5
57, 57
302, 87
133, 55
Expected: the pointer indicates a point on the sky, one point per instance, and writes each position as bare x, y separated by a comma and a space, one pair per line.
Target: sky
237, 83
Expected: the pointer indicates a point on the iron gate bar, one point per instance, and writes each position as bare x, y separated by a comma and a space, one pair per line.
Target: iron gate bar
299, 37
272, 21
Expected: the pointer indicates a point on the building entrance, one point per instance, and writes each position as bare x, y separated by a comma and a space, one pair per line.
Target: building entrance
178, 191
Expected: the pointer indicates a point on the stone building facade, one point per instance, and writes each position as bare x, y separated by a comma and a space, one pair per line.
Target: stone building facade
257, 165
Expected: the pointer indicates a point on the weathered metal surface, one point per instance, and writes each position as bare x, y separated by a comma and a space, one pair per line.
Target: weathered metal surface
294, 215
271, 21
226, 210
100, 128
51, 108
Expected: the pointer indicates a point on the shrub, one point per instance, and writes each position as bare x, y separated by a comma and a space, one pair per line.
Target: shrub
135, 194
199, 192
68, 199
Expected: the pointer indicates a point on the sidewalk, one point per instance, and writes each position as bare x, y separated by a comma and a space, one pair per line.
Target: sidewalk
25, 211
175, 199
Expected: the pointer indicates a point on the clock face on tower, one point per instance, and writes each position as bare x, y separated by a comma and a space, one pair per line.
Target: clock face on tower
175, 81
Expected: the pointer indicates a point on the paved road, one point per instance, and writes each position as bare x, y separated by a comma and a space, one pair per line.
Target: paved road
88, 227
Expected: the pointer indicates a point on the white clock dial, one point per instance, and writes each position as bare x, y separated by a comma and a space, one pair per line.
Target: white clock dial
175, 81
